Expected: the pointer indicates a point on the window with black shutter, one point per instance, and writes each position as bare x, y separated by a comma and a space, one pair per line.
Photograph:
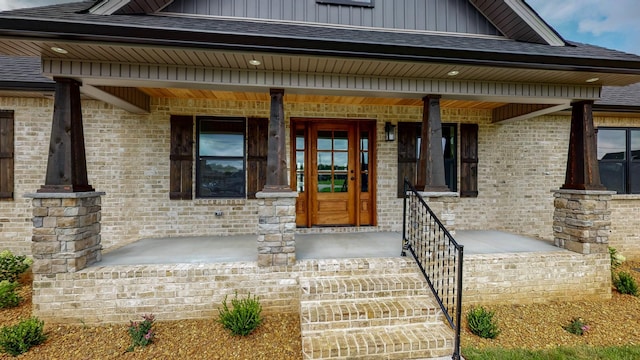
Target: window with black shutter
409, 138
6, 154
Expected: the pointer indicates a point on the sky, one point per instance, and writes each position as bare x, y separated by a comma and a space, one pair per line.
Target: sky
612, 24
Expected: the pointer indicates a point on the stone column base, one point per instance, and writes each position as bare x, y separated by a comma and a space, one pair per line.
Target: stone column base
443, 205
276, 228
66, 231
582, 220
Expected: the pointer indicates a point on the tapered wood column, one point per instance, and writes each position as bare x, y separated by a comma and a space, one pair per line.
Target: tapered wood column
430, 175
582, 162
276, 156
67, 164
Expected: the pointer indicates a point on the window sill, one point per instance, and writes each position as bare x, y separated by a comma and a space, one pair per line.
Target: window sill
229, 201
626, 197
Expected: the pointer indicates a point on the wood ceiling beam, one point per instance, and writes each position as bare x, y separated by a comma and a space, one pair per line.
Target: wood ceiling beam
514, 112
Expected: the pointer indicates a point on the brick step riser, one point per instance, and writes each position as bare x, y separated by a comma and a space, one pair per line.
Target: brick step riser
363, 295
418, 343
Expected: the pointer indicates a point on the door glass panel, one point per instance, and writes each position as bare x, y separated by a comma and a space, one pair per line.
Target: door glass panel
340, 161
324, 182
300, 171
324, 161
324, 140
340, 183
341, 141
364, 161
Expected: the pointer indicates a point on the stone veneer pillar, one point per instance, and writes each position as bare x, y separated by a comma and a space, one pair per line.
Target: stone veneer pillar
443, 205
276, 228
582, 220
66, 231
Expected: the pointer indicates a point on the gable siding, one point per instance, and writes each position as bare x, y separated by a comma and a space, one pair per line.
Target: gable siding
457, 16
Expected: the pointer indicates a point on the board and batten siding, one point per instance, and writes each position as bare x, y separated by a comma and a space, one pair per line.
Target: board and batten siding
457, 16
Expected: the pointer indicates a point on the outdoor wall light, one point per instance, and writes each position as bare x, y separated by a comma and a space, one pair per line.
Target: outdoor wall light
389, 132
59, 50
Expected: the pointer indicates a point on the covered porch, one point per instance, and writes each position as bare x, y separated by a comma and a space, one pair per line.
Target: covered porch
338, 245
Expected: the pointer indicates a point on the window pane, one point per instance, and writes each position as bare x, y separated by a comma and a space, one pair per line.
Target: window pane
221, 178
340, 183
300, 139
300, 170
324, 140
324, 160
340, 161
635, 144
324, 182
340, 141
635, 177
221, 144
611, 144
364, 141
612, 175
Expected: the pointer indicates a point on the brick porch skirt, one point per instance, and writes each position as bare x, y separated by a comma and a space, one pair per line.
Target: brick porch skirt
117, 294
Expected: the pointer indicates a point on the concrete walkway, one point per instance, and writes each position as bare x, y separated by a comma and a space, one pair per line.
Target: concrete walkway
217, 249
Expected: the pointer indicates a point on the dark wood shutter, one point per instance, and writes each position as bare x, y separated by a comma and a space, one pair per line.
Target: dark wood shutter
6, 154
469, 160
181, 158
257, 149
407, 153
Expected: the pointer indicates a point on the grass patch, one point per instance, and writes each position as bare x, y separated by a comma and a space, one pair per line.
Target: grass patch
629, 352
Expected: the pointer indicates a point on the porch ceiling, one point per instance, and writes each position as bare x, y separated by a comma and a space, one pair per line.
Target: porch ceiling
303, 64
301, 98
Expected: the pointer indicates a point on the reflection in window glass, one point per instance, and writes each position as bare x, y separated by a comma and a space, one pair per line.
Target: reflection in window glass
221, 178
220, 168
364, 161
619, 159
340, 161
611, 144
325, 140
340, 183
340, 141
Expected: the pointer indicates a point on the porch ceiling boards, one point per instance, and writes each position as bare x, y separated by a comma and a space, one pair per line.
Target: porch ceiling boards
302, 98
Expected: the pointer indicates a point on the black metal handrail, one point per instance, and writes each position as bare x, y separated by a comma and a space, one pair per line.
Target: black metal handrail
438, 255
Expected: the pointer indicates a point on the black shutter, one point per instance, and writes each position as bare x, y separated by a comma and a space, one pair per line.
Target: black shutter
407, 153
181, 158
469, 160
257, 149
6, 154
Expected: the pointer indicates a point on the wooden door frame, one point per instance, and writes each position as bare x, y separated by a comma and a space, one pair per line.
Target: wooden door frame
304, 198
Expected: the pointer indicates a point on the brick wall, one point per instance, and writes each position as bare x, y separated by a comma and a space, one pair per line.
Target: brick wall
526, 278
520, 163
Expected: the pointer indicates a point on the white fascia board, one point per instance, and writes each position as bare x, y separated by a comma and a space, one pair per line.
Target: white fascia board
108, 7
536, 23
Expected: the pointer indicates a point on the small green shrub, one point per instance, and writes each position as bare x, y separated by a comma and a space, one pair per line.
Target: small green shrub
616, 258
19, 338
141, 332
481, 323
625, 283
577, 326
8, 296
244, 317
12, 266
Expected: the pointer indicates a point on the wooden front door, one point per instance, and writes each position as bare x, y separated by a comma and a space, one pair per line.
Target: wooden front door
333, 172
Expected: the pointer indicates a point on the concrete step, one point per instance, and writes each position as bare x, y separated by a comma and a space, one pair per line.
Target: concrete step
363, 286
360, 313
413, 341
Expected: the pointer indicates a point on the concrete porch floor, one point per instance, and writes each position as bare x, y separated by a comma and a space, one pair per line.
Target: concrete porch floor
216, 249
